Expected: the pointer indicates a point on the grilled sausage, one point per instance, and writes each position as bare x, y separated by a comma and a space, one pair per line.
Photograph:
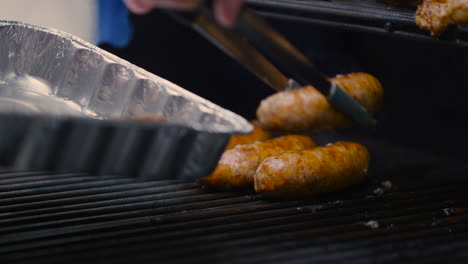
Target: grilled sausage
313, 171
258, 134
237, 166
436, 15
306, 110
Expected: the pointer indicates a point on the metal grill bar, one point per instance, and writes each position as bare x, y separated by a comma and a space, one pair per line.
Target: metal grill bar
45, 182
350, 251
387, 254
98, 208
88, 200
231, 241
11, 174
121, 220
260, 251
78, 189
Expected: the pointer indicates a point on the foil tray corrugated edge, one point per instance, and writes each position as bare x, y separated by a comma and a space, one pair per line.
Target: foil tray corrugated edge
188, 147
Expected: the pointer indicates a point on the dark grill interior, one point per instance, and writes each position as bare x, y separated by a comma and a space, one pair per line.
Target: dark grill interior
50, 218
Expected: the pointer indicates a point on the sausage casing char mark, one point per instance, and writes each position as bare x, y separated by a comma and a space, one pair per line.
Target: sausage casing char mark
306, 110
237, 166
436, 15
258, 134
313, 171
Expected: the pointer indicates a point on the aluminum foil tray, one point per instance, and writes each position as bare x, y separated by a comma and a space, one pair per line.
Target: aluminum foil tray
65, 105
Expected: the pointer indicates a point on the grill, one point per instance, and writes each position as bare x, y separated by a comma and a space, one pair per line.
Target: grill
49, 218
422, 217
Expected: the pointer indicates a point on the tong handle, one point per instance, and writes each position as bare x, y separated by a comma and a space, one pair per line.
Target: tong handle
234, 45
280, 51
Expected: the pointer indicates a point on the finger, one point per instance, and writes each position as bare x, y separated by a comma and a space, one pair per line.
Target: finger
176, 4
139, 7
227, 11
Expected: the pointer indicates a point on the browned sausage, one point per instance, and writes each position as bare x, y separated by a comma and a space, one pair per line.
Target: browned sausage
313, 171
258, 134
437, 15
237, 166
306, 110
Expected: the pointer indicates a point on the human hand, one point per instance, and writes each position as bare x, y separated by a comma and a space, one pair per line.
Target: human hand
226, 11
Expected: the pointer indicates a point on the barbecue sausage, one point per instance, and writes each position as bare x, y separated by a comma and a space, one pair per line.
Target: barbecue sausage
306, 110
237, 166
313, 171
436, 15
258, 134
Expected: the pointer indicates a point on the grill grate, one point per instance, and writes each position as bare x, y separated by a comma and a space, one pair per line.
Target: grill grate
50, 218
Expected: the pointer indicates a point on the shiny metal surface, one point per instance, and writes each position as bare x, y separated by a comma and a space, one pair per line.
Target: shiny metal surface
62, 101
241, 50
116, 220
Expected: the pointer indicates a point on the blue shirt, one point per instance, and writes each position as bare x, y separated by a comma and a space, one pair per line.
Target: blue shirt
114, 25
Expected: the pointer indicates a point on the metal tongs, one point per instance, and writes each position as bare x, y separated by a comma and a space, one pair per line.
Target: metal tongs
251, 30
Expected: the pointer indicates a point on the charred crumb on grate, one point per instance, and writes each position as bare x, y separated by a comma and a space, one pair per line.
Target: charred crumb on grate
309, 208
383, 188
303, 209
378, 191
235, 227
372, 224
337, 203
387, 185
448, 211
